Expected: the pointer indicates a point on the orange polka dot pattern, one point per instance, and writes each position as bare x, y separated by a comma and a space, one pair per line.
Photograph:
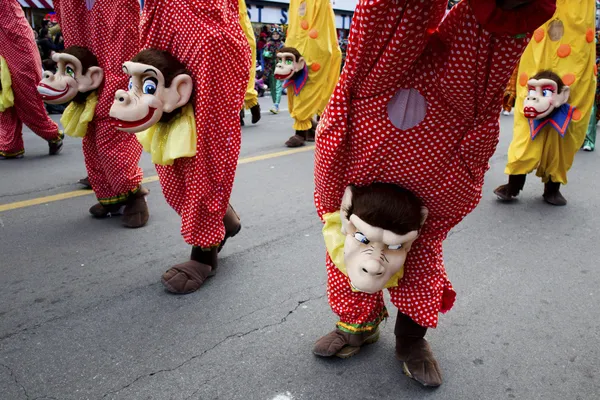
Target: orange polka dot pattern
17, 46
110, 31
205, 36
462, 73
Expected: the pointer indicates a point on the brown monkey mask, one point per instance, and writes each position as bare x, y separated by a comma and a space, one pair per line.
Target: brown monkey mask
70, 79
147, 97
373, 256
289, 63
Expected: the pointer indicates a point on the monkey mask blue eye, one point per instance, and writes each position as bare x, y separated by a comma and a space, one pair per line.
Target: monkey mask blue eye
130, 85
361, 238
149, 86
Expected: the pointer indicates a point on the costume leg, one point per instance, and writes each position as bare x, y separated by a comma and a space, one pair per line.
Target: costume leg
276, 87
251, 97
415, 353
120, 154
11, 135
422, 293
189, 276
360, 315
590, 137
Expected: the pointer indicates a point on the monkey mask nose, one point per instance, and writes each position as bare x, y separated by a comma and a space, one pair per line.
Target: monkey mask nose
122, 97
372, 267
48, 75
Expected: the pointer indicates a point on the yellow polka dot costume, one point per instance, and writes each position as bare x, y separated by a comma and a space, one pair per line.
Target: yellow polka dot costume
312, 32
251, 96
565, 45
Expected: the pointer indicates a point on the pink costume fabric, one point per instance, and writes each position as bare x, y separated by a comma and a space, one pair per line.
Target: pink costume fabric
207, 38
17, 46
109, 29
460, 66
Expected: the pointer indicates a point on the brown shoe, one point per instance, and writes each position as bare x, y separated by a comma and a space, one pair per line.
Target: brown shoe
55, 146
418, 361
512, 189
85, 182
136, 212
296, 140
232, 223
100, 211
255, 111
552, 194
188, 277
343, 344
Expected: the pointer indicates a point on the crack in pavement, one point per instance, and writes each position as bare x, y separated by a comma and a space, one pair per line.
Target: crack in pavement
126, 293
10, 371
233, 335
201, 385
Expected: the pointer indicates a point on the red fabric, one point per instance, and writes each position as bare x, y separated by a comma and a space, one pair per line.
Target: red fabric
17, 46
462, 71
214, 49
110, 31
522, 20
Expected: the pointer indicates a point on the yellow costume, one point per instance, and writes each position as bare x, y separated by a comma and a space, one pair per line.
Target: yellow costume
7, 97
77, 116
565, 45
251, 97
312, 32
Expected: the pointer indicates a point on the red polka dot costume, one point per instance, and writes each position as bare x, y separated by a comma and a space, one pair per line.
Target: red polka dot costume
109, 29
460, 66
207, 38
18, 48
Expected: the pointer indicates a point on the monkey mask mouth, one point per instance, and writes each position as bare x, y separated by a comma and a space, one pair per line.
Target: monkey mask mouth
68, 80
287, 66
543, 98
147, 97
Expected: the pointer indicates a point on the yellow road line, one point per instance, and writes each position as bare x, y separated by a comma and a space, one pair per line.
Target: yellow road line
154, 178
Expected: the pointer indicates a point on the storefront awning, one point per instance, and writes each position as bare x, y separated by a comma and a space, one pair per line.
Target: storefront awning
37, 3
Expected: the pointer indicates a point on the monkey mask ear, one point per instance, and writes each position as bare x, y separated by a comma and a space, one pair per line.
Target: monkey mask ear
563, 96
91, 80
424, 214
346, 203
300, 64
178, 94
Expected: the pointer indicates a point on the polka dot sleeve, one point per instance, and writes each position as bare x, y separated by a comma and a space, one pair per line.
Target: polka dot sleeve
521, 20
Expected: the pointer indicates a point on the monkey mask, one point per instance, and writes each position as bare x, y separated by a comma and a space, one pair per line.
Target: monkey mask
291, 68
148, 97
289, 63
546, 103
371, 256
71, 78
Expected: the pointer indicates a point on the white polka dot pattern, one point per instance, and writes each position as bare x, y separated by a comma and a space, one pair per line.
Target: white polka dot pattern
110, 31
17, 46
207, 37
462, 71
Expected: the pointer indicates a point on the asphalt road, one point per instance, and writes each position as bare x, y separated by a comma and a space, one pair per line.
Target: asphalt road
83, 314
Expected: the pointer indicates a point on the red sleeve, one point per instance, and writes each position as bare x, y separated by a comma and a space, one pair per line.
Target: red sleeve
472, 65
387, 36
521, 20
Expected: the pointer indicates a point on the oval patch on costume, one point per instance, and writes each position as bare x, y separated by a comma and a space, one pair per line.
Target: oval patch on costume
407, 109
